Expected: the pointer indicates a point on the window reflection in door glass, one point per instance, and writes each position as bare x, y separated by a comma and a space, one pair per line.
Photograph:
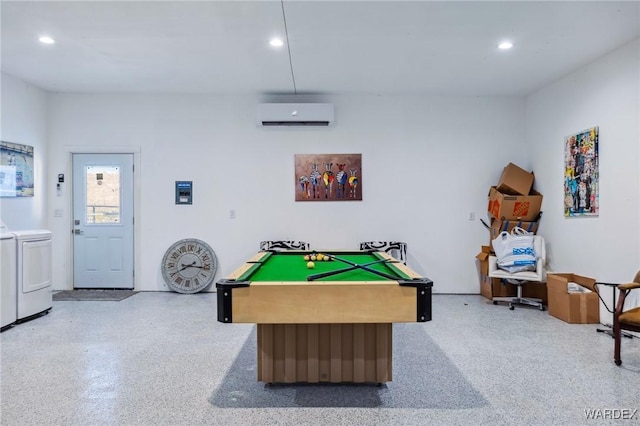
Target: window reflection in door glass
103, 194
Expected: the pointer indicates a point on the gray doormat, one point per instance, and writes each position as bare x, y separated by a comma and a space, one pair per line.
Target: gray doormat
92, 295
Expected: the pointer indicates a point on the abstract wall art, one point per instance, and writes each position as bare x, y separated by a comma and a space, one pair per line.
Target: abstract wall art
328, 177
581, 177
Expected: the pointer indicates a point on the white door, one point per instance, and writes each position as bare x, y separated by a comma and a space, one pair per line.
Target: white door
103, 221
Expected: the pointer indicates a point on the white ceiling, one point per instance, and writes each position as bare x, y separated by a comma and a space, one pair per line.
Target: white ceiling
373, 47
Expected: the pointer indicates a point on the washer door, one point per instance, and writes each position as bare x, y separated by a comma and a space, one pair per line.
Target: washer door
36, 265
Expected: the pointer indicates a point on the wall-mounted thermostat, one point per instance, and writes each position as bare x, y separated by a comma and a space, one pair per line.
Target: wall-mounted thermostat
184, 192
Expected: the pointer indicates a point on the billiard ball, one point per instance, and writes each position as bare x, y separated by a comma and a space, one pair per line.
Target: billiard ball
313, 257
310, 265
326, 258
319, 256
307, 257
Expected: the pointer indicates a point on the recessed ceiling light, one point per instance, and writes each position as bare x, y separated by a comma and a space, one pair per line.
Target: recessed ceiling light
276, 42
505, 45
46, 40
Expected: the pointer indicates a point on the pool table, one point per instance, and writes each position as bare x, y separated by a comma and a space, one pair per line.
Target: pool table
330, 323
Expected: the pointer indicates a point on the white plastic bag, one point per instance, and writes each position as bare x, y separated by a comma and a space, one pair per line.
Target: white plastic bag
515, 251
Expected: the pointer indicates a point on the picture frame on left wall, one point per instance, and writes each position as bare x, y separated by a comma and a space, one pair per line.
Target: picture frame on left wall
16, 170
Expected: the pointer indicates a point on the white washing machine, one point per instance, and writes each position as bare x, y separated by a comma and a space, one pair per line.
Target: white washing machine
8, 298
33, 272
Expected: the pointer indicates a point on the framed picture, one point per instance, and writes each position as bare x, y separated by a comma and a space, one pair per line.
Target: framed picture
328, 177
581, 174
16, 170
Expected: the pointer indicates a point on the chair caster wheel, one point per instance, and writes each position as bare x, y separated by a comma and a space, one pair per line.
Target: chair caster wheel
542, 308
618, 363
511, 308
495, 303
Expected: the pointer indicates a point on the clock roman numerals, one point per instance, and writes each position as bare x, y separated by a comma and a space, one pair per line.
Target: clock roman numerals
189, 265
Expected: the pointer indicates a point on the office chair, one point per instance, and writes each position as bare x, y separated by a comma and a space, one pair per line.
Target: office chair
396, 249
625, 320
283, 245
521, 278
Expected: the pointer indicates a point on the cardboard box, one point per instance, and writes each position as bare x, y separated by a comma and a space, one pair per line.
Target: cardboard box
491, 287
495, 287
499, 225
515, 181
574, 308
514, 207
483, 260
536, 291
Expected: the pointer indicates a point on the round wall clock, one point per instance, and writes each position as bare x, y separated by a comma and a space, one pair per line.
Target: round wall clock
189, 266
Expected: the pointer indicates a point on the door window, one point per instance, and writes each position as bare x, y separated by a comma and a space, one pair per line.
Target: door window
103, 194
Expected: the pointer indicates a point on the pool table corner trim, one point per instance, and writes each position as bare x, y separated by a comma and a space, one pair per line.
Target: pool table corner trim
423, 288
225, 290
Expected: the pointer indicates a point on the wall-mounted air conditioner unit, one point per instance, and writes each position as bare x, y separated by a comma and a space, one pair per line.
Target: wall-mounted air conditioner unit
310, 114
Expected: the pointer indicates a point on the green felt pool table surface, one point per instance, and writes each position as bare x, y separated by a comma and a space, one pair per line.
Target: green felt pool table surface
291, 266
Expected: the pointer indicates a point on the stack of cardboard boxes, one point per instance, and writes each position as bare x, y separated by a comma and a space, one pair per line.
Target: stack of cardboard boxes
513, 202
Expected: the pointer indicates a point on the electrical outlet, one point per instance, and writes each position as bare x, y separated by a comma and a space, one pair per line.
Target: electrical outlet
472, 216
232, 214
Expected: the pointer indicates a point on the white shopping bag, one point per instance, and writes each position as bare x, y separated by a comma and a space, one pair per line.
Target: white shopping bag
515, 251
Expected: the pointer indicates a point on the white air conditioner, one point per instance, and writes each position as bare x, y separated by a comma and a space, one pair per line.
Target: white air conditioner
295, 114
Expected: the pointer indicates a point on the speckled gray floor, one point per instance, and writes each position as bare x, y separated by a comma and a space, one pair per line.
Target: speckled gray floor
163, 359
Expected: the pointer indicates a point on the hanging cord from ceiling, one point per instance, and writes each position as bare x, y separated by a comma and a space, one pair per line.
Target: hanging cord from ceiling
286, 33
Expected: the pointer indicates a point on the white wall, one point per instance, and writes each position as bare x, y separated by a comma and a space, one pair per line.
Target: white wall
427, 163
605, 93
24, 121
